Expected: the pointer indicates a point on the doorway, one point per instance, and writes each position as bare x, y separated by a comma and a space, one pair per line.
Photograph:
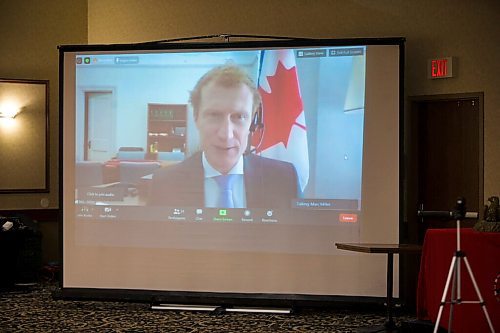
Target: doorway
445, 158
100, 139
443, 161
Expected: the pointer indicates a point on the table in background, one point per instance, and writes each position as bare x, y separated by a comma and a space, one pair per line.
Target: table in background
390, 250
483, 253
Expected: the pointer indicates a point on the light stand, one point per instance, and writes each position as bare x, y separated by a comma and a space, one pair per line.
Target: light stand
454, 272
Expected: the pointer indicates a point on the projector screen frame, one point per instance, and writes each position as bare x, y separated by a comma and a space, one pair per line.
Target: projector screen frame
225, 298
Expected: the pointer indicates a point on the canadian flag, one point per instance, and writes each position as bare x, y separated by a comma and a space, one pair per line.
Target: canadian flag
284, 135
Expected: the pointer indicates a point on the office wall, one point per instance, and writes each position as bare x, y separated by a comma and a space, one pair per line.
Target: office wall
433, 28
30, 31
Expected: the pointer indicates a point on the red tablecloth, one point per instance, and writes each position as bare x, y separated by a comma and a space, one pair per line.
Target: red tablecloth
483, 253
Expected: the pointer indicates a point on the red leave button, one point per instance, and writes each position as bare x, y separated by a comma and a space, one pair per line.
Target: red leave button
349, 218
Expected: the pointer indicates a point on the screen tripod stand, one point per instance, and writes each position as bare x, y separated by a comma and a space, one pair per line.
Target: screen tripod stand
454, 274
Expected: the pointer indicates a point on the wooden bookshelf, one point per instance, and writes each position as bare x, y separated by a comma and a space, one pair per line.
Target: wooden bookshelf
166, 127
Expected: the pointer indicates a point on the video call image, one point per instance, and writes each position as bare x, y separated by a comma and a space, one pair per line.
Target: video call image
265, 141
202, 168
156, 132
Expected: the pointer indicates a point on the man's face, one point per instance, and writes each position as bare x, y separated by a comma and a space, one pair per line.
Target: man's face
223, 123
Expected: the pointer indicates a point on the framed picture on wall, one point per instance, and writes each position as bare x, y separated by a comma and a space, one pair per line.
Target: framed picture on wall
24, 136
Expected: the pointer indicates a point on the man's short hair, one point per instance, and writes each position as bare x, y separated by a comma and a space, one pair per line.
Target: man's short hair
226, 76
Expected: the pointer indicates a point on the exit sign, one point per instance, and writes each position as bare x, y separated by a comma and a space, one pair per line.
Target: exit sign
440, 68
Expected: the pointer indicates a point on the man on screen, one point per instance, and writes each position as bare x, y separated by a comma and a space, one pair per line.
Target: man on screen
225, 102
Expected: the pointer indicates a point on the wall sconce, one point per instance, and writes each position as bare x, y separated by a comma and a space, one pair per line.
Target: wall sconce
9, 109
24, 141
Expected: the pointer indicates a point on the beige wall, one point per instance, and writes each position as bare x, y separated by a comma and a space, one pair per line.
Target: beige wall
30, 31
433, 28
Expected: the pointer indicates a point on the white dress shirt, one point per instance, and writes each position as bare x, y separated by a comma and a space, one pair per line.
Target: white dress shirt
212, 189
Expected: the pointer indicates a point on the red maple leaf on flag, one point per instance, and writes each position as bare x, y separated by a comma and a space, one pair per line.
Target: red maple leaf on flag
282, 105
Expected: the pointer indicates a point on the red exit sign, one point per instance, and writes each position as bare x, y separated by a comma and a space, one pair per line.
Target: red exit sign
440, 68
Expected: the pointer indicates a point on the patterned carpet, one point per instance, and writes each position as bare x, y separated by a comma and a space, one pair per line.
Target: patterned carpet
34, 310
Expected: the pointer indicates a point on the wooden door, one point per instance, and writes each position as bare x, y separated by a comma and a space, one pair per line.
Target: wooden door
100, 124
443, 161
449, 157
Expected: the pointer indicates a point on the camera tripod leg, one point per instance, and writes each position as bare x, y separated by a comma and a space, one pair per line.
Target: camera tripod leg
481, 300
454, 273
454, 294
445, 292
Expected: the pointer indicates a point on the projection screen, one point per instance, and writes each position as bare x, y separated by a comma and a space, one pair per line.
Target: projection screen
316, 161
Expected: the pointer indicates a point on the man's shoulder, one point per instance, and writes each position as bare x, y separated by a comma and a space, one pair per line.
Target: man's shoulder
187, 166
279, 178
266, 162
252, 158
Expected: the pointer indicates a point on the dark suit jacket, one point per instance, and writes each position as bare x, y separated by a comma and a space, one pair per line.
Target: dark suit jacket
269, 183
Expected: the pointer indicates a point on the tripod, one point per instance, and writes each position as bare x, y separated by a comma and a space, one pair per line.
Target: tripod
454, 273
